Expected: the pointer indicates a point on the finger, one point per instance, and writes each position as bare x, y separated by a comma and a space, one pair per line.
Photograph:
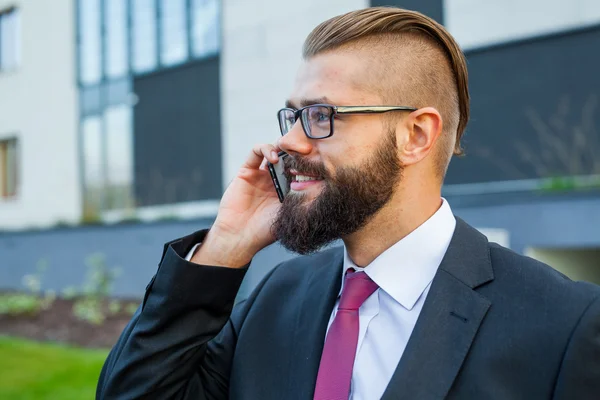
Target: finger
263, 165
259, 153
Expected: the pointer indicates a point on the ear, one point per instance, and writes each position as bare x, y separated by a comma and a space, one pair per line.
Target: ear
424, 127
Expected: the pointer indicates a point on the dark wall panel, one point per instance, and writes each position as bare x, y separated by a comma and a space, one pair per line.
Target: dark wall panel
535, 110
431, 8
177, 134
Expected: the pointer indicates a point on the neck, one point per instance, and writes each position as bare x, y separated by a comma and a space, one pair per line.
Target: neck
402, 215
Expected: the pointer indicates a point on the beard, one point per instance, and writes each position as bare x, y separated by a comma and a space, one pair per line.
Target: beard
346, 203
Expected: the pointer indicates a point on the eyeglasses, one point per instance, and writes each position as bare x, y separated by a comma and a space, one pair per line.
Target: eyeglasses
317, 119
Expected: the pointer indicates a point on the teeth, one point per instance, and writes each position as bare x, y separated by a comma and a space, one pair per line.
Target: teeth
304, 178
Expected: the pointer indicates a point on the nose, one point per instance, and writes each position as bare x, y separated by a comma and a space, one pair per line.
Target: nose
295, 141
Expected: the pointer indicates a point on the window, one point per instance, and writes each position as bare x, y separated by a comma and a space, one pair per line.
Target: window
10, 39
116, 36
8, 168
205, 27
92, 162
143, 32
115, 22
108, 159
90, 42
119, 154
173, 28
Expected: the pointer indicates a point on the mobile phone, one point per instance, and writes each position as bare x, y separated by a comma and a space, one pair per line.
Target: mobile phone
280, 181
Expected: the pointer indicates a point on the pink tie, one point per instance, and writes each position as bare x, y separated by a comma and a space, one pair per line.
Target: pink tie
337, 360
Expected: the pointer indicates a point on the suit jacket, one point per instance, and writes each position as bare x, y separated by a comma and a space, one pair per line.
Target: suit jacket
495, 325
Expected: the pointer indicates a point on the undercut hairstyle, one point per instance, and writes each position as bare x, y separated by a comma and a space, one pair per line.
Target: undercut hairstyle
416, 62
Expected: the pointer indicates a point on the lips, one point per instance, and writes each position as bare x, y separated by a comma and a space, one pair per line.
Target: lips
298, 176
302, 180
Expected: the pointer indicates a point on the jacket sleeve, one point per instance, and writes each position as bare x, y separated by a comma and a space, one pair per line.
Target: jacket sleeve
180, 342
579, 375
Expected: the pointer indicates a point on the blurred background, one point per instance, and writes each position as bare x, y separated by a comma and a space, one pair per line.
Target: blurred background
122, 121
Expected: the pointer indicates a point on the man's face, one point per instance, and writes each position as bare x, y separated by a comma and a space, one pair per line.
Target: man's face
352, 174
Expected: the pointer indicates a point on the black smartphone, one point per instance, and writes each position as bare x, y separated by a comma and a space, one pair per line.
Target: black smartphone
280, 181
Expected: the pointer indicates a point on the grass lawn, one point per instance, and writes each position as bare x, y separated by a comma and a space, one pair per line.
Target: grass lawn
41, 371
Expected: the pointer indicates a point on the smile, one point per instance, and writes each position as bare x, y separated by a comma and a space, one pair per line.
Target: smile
306, 178
301, 181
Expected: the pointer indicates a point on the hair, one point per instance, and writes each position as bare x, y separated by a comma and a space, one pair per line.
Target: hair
417, 48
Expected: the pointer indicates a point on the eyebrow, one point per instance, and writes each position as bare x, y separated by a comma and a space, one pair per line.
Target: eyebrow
307, 102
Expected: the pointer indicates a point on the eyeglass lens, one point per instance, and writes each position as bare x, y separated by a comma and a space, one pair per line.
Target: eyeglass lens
316, 120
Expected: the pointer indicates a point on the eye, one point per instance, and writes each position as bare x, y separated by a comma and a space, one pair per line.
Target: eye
321, 116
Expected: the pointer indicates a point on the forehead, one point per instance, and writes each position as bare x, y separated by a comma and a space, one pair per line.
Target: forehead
339, 77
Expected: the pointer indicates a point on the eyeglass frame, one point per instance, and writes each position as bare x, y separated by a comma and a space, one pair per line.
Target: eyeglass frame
335, 111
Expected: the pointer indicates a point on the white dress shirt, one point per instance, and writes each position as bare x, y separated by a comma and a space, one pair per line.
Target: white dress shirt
387, 318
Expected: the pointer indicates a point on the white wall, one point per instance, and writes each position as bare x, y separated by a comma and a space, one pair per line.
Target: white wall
496, 235
261, 51
476, 23
38, 103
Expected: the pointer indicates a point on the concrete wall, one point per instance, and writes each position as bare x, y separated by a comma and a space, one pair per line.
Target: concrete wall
544, 221
261, 52
476, 23
38, 105
135, 249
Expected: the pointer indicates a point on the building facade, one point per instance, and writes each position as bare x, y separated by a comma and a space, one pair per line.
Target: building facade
150, 104
39, 164
146, 109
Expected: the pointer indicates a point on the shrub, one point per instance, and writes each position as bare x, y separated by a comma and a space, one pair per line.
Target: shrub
33, 300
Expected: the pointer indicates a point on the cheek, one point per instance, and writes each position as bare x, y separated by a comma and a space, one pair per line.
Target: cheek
352, 143
335, 152
343, 154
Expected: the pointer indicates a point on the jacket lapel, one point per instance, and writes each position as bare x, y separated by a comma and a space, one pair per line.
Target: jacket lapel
449, 320
321, 291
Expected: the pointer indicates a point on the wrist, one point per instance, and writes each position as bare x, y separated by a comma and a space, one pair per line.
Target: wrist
221, 249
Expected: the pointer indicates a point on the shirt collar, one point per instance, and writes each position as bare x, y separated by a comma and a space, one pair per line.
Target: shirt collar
406, 269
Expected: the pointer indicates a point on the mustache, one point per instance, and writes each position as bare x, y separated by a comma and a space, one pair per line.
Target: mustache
301, 164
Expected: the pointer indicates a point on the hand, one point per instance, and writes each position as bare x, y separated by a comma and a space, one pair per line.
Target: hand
245, 216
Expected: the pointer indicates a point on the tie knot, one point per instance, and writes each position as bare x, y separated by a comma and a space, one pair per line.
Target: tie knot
357, 288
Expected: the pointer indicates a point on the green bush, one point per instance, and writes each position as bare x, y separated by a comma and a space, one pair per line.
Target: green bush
97, 287
33, 300
19, 303
90, 301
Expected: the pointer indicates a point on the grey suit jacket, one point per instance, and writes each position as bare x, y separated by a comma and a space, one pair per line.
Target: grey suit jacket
495, 325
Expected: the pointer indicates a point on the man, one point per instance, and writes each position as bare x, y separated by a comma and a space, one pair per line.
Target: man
416, 305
